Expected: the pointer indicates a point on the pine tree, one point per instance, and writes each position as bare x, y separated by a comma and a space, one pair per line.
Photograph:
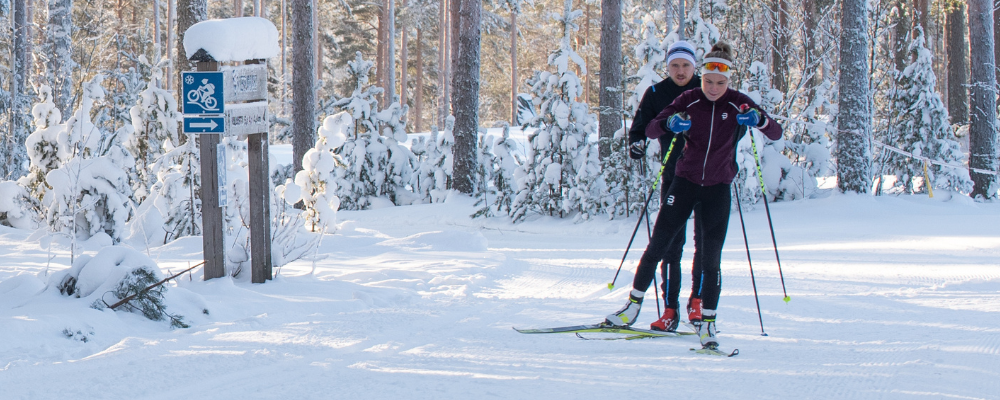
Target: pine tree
154, 124
316, 184
922, 128
435, 163
561, 173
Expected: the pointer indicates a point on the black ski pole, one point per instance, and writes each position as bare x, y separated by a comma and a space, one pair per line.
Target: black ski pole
763, 191
753, 280
649, 196
656, 289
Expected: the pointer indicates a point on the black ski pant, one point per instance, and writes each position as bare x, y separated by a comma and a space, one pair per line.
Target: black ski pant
681, 198
670, 267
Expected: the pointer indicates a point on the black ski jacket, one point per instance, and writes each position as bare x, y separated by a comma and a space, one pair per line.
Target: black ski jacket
654, 100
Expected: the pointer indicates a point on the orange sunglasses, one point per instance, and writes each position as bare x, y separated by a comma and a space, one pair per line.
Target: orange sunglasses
717, 66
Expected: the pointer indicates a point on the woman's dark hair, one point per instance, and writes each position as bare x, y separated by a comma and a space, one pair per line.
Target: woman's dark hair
722, 50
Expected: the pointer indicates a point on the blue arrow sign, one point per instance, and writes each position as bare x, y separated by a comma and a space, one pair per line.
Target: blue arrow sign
205, 124
203, 93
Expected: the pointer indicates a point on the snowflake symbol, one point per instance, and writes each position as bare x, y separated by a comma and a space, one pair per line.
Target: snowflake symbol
189, 79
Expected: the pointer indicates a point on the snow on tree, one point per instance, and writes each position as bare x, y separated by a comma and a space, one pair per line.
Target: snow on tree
854, 121
173, 207
154, 125
499, 163
16, 208
315, 184
783, 179
43, 144
921, 126
435, 163
362, 103
561, 173
700, 33
651, 56
90, 192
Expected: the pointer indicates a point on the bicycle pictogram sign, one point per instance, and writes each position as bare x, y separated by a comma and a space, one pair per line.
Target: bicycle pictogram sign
203, 93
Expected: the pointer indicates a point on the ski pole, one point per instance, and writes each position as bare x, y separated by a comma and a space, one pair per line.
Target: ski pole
753, 280
670, 149
656, 289
763, 190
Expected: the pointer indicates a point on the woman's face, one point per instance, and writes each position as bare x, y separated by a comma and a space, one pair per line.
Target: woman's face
681, 71
714, 85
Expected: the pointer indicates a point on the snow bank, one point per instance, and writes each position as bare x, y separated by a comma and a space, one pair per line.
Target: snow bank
233, 39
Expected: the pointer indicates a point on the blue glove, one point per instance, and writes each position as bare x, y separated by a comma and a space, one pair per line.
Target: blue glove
678, 123
750, 117
637, 150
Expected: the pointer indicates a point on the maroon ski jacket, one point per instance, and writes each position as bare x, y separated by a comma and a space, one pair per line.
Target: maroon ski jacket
709, 156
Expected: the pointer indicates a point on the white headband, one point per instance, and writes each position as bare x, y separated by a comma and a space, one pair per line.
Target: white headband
707, 60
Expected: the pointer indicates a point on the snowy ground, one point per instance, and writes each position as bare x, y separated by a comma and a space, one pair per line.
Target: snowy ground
892, 298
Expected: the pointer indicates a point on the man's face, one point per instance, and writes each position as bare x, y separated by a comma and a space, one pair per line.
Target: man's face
681, 71
714, 85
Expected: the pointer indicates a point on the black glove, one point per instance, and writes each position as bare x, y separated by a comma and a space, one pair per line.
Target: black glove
637, 150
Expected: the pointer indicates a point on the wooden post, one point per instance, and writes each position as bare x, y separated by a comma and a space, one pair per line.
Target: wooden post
213, 244
260, 204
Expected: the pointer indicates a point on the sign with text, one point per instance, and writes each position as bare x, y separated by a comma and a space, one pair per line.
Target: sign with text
247, 118
204, 124
203, 93
246, 83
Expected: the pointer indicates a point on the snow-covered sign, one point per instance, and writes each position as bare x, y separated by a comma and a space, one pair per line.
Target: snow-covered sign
245, 83
233, 39
220, 154
247, 118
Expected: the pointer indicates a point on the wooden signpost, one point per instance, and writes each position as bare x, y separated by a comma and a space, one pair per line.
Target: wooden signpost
237, 108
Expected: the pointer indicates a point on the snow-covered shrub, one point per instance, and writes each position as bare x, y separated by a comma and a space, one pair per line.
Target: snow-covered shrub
498, 163
43, 143
374, 167
113, 274
315, 184
435, 163
154, 128
361, 104
920, 124
173, 207
561, 173
16, 207
89, 192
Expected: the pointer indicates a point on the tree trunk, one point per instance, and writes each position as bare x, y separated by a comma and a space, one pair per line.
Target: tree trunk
380, 48
443, 64
404, 62
284, 58
586, 54
189, 12
14, 151
922, 17
454, 37
467, 94
982, 99
60, 37
419, 87
779, 62
317, 44
390, 52
958, 63
237, 8
854, 138
901, 34
808, 52
513, 67
610, 100
171, 15
304, 79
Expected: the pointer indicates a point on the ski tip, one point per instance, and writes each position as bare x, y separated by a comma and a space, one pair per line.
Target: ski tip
787, 299
611, 286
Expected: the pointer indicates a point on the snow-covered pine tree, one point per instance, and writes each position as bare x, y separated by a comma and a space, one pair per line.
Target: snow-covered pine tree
154, 125
173, 207
561, 173
89, 192
43, 144
434, 161
376, 166
922, 127
499, 168
700, 33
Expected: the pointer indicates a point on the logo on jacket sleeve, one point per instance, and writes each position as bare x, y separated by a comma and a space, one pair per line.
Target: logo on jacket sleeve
724, 116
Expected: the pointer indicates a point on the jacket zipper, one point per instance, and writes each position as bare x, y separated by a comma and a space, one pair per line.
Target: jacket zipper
711, 127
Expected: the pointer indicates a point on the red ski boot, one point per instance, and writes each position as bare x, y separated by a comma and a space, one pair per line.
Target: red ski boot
694, 311
666, 323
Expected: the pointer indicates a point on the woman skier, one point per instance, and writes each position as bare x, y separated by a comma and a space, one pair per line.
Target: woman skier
681, 78
712, 118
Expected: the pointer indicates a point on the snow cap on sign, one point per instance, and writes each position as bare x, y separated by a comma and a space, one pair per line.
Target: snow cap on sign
233, 39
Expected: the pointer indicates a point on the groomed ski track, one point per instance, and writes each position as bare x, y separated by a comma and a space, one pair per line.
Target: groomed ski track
891, 298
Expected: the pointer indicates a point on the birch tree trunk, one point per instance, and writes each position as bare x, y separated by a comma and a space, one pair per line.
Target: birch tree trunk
610, 100
60, 32
854, 137
303, 81
982, 100
958, 63
467, 94
189, 12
